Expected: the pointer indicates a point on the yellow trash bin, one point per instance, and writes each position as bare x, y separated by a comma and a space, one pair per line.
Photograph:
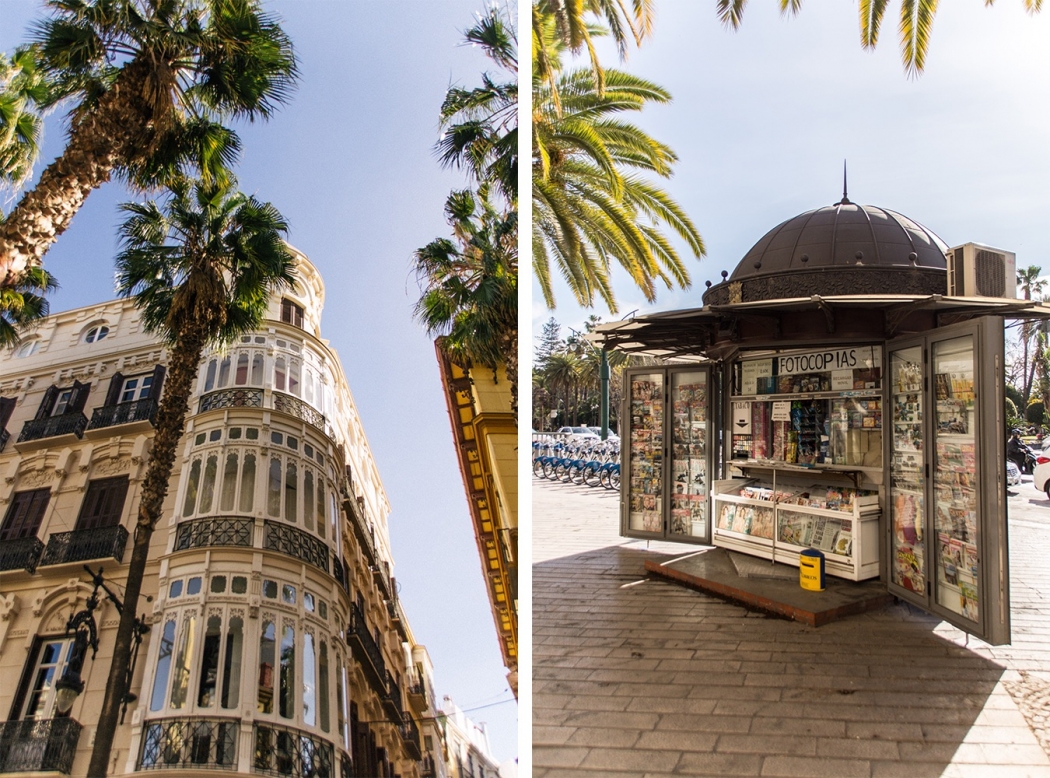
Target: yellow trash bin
811, 570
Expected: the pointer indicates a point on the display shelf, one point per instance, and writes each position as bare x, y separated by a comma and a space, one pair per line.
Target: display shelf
757, 518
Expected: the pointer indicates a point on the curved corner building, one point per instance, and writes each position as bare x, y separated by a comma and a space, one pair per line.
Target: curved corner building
276, 642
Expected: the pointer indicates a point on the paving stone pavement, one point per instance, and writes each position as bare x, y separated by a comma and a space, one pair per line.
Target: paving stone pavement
638, 677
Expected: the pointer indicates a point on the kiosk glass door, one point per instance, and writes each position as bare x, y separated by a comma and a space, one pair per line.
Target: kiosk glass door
665, 454
947, 532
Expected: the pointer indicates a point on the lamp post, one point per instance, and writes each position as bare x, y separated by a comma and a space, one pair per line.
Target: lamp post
85, 635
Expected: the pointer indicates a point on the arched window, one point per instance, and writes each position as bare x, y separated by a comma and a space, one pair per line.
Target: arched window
160, 680
191, 488
96, 333
241, 376
257, 369
273, 488
287, 690
209, 376
293, 378
308, 498
267, 656
224, 371
27, 348
248, 483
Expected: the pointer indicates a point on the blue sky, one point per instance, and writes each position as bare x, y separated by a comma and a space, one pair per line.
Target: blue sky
350, 165
763, 118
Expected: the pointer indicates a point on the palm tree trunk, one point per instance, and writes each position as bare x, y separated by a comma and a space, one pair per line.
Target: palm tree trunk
171, 422
99, 140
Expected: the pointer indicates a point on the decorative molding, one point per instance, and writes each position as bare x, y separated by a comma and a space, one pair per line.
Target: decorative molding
111, 466
36, 480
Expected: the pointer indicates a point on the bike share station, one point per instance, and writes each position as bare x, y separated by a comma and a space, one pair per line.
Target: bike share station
838, 400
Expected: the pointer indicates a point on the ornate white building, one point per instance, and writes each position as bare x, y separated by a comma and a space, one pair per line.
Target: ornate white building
276, 641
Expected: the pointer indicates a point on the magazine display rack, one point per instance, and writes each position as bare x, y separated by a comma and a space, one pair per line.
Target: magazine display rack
779, 517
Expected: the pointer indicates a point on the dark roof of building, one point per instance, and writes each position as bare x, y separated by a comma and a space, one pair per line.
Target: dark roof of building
844, 235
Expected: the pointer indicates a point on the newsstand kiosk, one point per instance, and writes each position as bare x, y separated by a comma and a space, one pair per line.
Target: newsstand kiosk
807, 407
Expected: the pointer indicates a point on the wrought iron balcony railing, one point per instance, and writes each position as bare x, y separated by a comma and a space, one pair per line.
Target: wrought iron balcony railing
286, 403
31, 746
295, 542
21, 554
381, 573
362, 531
417, 696
359, 639
426, 767
392, 700
202, 533
410, 736
83, 544
189, 743
346, 765
231, 398
65, 424
291, 753
124, 413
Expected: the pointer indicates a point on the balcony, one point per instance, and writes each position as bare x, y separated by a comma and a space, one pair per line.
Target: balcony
231, 398
4, 437
37, 433
417, 696
83, 544
291, 753
32, 746
381, 573
190, 744
364, 645
426, 767
203, 533
392, 700
140, 413
410, 736
362, 531
286, 403
346, 765
294, 542
21, 554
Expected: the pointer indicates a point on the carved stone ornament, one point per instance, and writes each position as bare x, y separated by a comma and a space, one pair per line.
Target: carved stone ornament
10, 605
112, 466
36, 479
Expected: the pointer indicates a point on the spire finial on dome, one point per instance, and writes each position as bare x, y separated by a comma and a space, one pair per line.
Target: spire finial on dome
845, 200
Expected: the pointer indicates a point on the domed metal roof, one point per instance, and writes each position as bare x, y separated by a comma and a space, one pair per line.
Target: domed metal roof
840, 235
844, 248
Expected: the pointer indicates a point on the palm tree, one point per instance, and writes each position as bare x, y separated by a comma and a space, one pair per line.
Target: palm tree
480, 125
559, 25
23, 303
201, 267
148, 80
916, 24
563, 372
1031, 285
22, 90
470, 285
590, 206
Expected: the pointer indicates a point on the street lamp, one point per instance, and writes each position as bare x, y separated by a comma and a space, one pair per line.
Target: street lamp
85, 635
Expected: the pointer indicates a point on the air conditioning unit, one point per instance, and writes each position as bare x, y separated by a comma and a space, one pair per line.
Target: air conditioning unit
981, 271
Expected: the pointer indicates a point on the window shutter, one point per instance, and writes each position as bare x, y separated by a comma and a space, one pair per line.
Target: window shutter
103, 504
48, 403
25, 514
7, 406
116, 383
79, 398
158, 380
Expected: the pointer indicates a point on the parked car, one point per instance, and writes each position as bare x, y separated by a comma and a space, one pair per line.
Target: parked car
612, 435
1041, 473
1013, 474
579, 434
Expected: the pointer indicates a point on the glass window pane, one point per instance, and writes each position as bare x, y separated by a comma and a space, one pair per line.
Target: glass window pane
309, 681
209, 379
209, 663
273, 488
224, 372
257, 369
229, 482
322, 686
248, 484
251, 433
292, 443
293, 379
193, 586
231, 665
191, 488
288, 593
208, 484
291, 493
287, 697
180, 683
233, 433
215, 435
320, 507
239, 584
907, 471
276, 437
267, 656
308, 499
176, 589
269, 589
278, 374
160, 680
241, 378
309, 386
218, 584
333, 515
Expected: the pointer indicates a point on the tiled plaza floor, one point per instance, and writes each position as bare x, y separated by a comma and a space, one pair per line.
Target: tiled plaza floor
633, 677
